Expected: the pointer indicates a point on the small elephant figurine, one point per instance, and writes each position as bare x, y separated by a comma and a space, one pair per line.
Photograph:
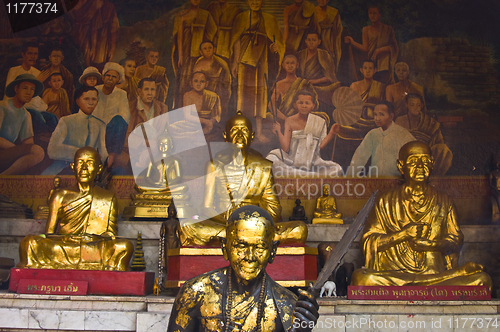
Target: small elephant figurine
330, 288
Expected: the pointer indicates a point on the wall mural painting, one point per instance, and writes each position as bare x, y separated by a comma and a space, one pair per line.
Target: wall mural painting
358, 79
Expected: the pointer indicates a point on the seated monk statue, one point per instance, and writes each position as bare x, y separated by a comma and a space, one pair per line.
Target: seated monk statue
412, 236
238, 176
161, 177
86, 216
326, 209
298, 213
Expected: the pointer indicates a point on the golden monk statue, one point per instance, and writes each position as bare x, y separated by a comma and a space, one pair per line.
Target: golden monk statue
158, 185
413, 238
242, 296
162, 176
326, 209
238, 176
86, 216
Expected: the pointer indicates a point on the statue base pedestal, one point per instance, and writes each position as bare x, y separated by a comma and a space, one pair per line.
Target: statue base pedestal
99, 282
155, 212
292, 267
335, 221
419, 293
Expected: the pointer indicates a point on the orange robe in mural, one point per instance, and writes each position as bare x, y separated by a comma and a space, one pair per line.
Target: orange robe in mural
331, 33
386, 61
320, 65
194, 32
160, 78
68, 85
95, 26
60, 106
219, 81
255, 60
224, 21
300, 21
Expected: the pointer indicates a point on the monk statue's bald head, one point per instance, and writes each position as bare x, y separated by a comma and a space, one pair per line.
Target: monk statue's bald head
238, 118
89, 151
87, 165
239, 131
414, 147
415, 162
252, 215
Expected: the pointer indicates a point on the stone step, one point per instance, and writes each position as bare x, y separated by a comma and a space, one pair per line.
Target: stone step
93, 313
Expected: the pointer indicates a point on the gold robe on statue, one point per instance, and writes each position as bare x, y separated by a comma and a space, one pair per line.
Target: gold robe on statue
160, 78
320, 65
224, 21
428, 131
300, 21
331, 34
195, 31
253, 187
86, 238
256, 61
59, 107
400, 264
372, 95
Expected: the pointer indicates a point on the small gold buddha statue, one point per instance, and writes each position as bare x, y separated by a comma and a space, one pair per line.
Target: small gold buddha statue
326, 209
158, 185
43, 210
86, 216
238, 176
413, 238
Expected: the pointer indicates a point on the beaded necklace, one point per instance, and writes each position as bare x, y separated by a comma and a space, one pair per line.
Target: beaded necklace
260, 305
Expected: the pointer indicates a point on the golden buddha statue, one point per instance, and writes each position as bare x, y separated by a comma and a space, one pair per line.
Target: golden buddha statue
413, 238
326, 209
158, 185
43, 210
235, 177
242, 296
86, 216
